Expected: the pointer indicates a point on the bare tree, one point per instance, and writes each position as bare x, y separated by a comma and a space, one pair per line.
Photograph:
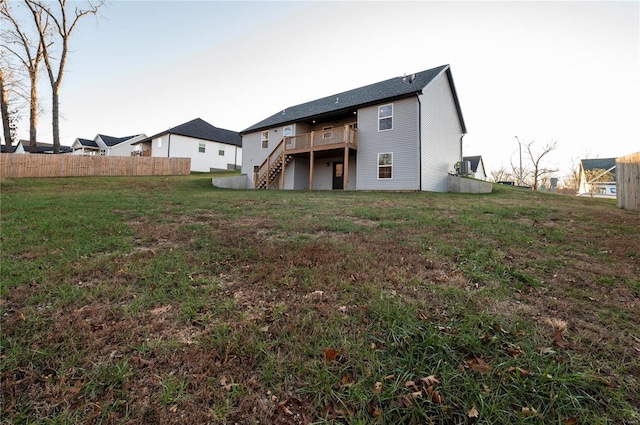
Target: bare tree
63, 23
4, 109
539, 172
29, 54
501, 174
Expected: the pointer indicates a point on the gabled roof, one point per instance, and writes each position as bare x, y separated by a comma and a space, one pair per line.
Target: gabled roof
7, 149
88, 143
200, 129
43, 147
112, 141
474, 160
598, 164
394, 88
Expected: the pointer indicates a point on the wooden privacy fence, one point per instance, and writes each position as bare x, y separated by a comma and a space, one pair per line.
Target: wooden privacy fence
33, 165
628, 182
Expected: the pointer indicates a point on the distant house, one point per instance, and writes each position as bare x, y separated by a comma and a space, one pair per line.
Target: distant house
107, 145
24, 146
598, 178
85, 147
477, 167
403, 133
210, 148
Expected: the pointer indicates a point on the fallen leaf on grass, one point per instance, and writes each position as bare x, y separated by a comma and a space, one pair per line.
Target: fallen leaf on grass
160, 310
377, 388
373, 409
480, 366
330, 354
473, 413
430, 380
520, 371
570, 421
557, 339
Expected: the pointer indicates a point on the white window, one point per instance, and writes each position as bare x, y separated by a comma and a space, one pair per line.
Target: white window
288, 131
160, 142
385, 165
201, 147
327, 132
385, 117
265, 139
221, 150
103, 152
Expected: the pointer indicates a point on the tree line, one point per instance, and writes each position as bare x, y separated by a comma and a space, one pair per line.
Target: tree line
35, 34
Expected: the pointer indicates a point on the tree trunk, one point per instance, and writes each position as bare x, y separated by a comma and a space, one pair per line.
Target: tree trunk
4, 107
56, 120
33, 109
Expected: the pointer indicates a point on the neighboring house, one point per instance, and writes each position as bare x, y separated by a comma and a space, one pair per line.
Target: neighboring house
24, 146
477, 167
400, 134
210, 148
598, 178
85, 147
107, 145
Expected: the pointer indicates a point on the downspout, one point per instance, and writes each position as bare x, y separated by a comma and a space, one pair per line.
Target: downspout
419, 142
235, 159
169, 145
461, 155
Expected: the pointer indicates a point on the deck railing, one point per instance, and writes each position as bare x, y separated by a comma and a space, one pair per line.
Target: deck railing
317, 139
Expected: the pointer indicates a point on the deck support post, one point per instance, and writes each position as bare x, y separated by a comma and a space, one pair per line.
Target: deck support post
282, 171
311, 166
345, 169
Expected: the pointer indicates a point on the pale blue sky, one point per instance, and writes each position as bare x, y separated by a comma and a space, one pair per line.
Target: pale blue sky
566, 71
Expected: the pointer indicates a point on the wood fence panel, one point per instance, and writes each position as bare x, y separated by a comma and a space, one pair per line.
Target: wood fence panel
34, 165
628, 182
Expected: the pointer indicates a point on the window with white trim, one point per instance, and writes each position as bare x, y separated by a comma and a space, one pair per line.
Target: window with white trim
288, 131
265, 139
221, 150
159, 142
385, 165
327, 132
385, 117
201, 147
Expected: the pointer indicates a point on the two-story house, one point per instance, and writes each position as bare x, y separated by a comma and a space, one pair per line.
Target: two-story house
210, 148
106, 145
404, 133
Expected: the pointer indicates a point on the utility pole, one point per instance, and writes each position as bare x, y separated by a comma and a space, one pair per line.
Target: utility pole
520, 175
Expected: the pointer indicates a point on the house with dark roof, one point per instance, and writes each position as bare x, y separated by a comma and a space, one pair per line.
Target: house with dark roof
476, 167
106, 145
404, 133
24, 146
598, 178
210, 148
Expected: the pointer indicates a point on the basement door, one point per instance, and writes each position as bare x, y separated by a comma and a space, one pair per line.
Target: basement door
338, 176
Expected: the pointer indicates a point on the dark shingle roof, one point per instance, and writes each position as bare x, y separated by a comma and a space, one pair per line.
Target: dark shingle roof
112, 141
200, 129
393, 88
474, 160
43, 147
598, 164
88, 143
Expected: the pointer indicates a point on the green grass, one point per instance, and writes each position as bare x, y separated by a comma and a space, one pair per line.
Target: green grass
157, 300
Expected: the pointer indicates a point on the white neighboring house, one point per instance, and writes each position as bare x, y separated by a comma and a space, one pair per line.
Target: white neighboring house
107, 145
24, 147
598, 178
210, 148
477, 167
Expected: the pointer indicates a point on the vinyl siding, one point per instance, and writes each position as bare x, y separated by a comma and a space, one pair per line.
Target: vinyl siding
188, 147
252, 152
441, 133
402, 141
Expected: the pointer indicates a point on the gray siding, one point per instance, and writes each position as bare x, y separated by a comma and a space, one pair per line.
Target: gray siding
441, 134
252, 152
402, 141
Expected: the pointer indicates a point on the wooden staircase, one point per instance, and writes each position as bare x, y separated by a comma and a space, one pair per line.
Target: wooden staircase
272, 169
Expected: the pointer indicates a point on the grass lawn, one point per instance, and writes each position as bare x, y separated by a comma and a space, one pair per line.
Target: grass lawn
164, 300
